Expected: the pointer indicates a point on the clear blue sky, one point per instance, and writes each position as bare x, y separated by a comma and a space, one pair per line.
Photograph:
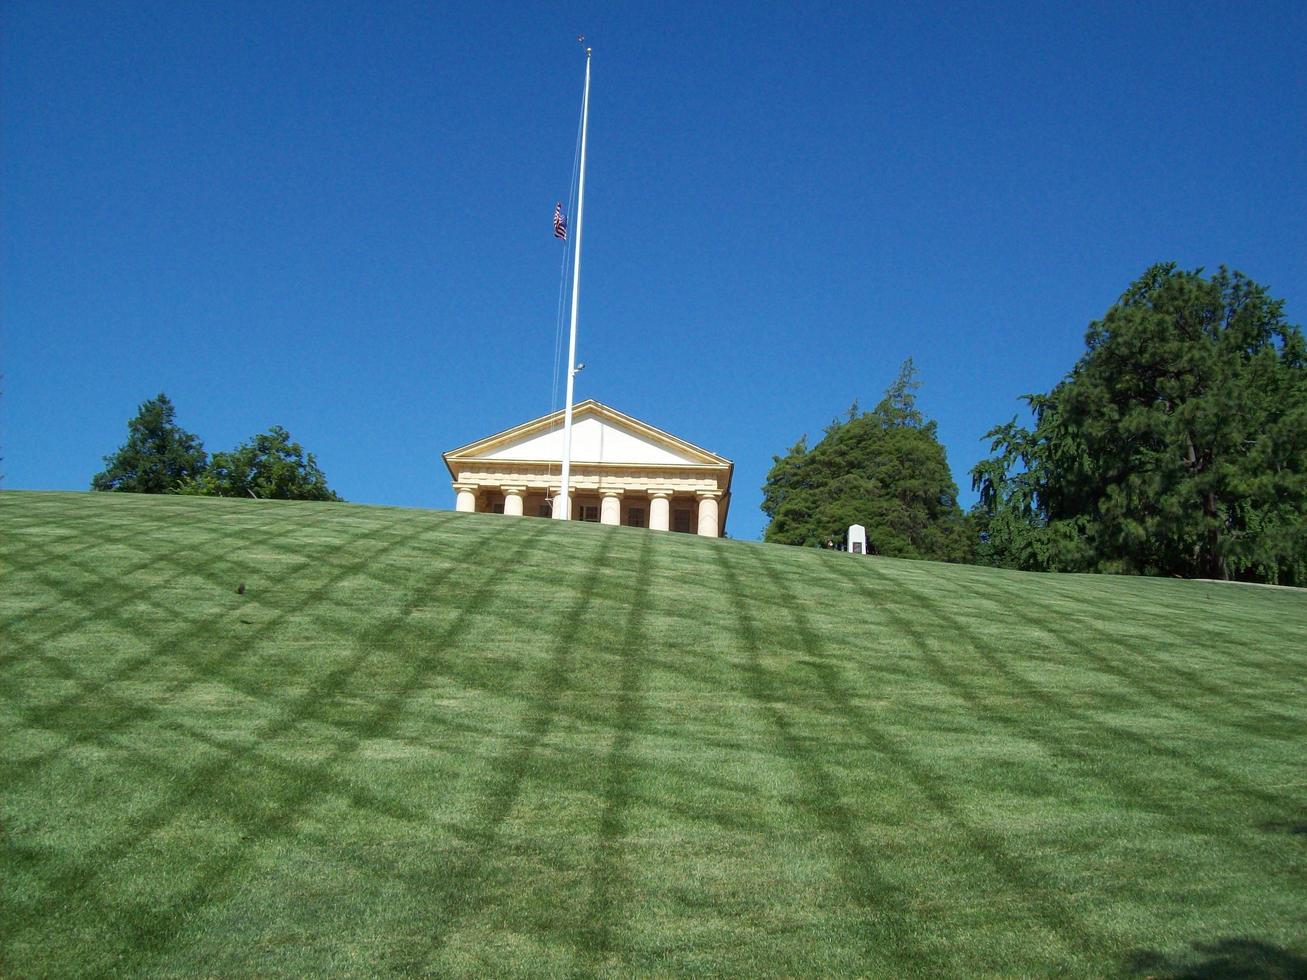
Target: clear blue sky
336, 217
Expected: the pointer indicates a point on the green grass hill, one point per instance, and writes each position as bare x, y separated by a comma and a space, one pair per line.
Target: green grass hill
432, 743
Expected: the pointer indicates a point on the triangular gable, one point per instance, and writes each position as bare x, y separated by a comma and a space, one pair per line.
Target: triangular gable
599, 435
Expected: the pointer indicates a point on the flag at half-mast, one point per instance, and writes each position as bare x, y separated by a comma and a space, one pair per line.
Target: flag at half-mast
560, 222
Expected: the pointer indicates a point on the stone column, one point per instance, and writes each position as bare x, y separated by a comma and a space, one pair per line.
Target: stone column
562, 507
467, 498
610, 508
513, 500
660, 510
708, 519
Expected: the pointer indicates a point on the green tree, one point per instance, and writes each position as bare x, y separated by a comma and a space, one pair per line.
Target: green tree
269, 466
158, 457
884, 469
1177, 445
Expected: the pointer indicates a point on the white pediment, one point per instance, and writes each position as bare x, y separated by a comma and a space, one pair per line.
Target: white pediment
594, 440
599, 435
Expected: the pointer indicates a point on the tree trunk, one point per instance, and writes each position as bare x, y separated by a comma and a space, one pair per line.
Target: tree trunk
1216, 567
1212, 562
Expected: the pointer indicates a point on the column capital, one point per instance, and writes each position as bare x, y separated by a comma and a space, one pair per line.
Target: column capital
469, 487
708, 494
660, 494
608, 492
518, 488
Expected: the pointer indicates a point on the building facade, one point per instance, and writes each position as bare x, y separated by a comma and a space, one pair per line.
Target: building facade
623, 471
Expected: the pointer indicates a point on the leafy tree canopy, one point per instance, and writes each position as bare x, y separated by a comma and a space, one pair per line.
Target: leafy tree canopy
269, 466
884, 469
1177, 445
158, 457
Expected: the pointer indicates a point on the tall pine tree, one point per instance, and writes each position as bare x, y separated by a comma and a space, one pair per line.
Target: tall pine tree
158, 457
1176, 446
884, 469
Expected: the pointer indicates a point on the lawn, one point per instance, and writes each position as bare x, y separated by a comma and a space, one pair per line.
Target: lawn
433, 743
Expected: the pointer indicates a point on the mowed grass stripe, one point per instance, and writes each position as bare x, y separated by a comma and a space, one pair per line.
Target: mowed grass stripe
71, 648
1085, 643
123, 593
26, 550
510, 773
1157, 667
609, 876
1168, 819
1083, 745
1215, 619
892, 940
174, 647
468, 745
1062, 935
1046, 695
257, 816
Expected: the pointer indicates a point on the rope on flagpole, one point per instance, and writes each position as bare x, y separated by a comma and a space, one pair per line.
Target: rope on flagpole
563, 273
559, 319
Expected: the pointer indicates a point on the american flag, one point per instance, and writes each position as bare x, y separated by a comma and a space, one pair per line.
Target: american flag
560, 222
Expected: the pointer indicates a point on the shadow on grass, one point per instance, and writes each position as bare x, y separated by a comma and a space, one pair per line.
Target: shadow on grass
1225, 959
1107, 770
92, 713
276, 816
143, 535
460, 883
1187, 621
144, 931
1116, 773
1025, 882
1286, 827
102, 592
1138, 668
608, 872
884, 904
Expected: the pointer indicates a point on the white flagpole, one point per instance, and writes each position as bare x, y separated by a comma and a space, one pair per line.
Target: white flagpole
563, 504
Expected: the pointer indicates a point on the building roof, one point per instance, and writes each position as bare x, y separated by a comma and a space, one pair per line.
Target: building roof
600, 434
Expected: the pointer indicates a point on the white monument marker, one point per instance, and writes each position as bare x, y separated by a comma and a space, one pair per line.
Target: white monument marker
857, 539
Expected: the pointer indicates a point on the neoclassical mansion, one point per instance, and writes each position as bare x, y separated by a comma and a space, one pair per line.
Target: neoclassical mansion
623, 471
